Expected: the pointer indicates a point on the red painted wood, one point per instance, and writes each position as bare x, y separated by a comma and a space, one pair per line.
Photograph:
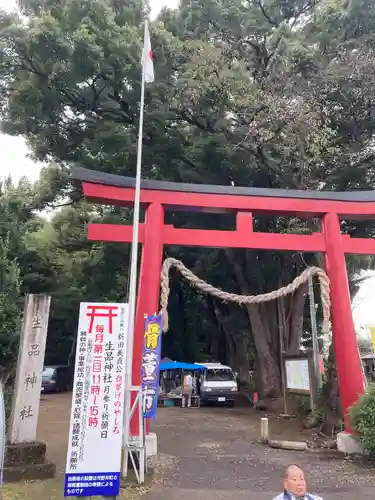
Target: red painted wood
330, 241
148, 288
349, 369
211, 238
111, 195
244, 222
363, 246
116, 233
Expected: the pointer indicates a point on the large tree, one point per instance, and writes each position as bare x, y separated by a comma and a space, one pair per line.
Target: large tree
258, 93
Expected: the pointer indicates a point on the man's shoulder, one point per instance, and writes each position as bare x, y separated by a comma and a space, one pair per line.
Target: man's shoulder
309, 496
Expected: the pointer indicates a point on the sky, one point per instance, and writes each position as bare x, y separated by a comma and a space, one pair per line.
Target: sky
16, 162
363, 306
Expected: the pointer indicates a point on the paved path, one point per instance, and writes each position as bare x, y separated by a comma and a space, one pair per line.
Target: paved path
213, 454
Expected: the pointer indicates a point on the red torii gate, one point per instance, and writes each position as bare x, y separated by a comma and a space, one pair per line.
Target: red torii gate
157, 196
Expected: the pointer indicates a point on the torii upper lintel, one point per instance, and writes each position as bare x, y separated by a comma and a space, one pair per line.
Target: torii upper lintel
116, 189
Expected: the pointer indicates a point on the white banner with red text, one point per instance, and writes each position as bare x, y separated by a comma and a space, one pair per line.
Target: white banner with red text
95, 435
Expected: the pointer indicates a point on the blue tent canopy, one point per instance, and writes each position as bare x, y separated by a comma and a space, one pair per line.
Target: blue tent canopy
176, 365
165, 360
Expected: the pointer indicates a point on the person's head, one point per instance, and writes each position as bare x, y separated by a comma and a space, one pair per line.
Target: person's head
294, 481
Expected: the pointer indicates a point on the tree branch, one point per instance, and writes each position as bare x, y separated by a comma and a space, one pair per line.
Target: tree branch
264, 12
67, 204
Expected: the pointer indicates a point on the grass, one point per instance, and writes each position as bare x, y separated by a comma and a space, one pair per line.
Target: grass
53, 489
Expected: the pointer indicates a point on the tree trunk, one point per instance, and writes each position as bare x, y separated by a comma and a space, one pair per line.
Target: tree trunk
241, 358
262, 319
264, 324
330, 400
238, 345
214, 336
72, 353
268, 364
188, 346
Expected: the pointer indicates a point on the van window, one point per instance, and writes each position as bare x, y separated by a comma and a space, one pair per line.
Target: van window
219, 375
48, 371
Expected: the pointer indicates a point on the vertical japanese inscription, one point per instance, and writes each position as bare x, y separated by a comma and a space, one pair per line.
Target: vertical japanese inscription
25, 408
151, 364
77, 441
119, 376
96, 421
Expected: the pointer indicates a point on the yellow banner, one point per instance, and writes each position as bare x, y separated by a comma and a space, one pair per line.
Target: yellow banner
372, 333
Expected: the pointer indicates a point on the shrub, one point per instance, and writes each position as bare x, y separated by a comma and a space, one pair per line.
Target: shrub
7, 395
362, 419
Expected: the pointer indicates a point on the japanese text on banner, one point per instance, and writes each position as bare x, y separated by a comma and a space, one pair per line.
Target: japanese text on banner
95, 437
151, 364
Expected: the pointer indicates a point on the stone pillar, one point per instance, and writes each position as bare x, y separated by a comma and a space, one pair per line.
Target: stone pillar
25, 457
26, 398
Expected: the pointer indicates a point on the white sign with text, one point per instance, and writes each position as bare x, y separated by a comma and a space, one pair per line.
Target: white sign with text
297, 374
95, 436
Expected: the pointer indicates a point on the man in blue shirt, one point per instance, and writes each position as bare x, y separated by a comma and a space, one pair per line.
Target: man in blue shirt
295, 486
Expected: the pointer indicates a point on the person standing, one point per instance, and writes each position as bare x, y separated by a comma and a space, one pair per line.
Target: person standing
198, 384
295, 485
187, 389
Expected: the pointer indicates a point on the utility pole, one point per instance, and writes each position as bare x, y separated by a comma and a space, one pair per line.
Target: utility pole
314, 333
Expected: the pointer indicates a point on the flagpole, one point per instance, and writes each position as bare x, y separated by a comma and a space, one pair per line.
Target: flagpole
134, 266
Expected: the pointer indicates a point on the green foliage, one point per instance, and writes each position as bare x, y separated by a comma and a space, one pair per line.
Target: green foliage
8, 394
9, 307
61, 262
13, 216
362, 417
364, 345
263, 94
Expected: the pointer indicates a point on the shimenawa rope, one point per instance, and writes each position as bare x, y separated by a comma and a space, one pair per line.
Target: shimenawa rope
208, 289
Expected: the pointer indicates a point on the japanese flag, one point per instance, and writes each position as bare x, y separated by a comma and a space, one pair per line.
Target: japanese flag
148, 69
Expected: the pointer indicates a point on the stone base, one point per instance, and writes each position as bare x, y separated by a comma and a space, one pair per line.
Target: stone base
25, 453
151, 444
27, 461
132, 482
349, 444
29, 472
151, 448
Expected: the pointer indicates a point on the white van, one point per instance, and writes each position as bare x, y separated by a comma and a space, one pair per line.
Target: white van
218, 384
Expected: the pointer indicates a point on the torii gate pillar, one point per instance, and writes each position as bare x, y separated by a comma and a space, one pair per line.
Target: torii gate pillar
348, 362
148, 301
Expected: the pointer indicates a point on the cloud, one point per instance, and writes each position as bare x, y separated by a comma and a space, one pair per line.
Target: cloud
15, 161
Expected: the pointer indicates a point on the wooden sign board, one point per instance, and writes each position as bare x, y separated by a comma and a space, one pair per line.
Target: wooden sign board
298, 374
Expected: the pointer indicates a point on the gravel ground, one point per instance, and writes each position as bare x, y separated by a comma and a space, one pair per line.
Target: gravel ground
214, 453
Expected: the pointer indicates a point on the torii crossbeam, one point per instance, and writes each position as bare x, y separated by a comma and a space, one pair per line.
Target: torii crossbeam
159, 197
